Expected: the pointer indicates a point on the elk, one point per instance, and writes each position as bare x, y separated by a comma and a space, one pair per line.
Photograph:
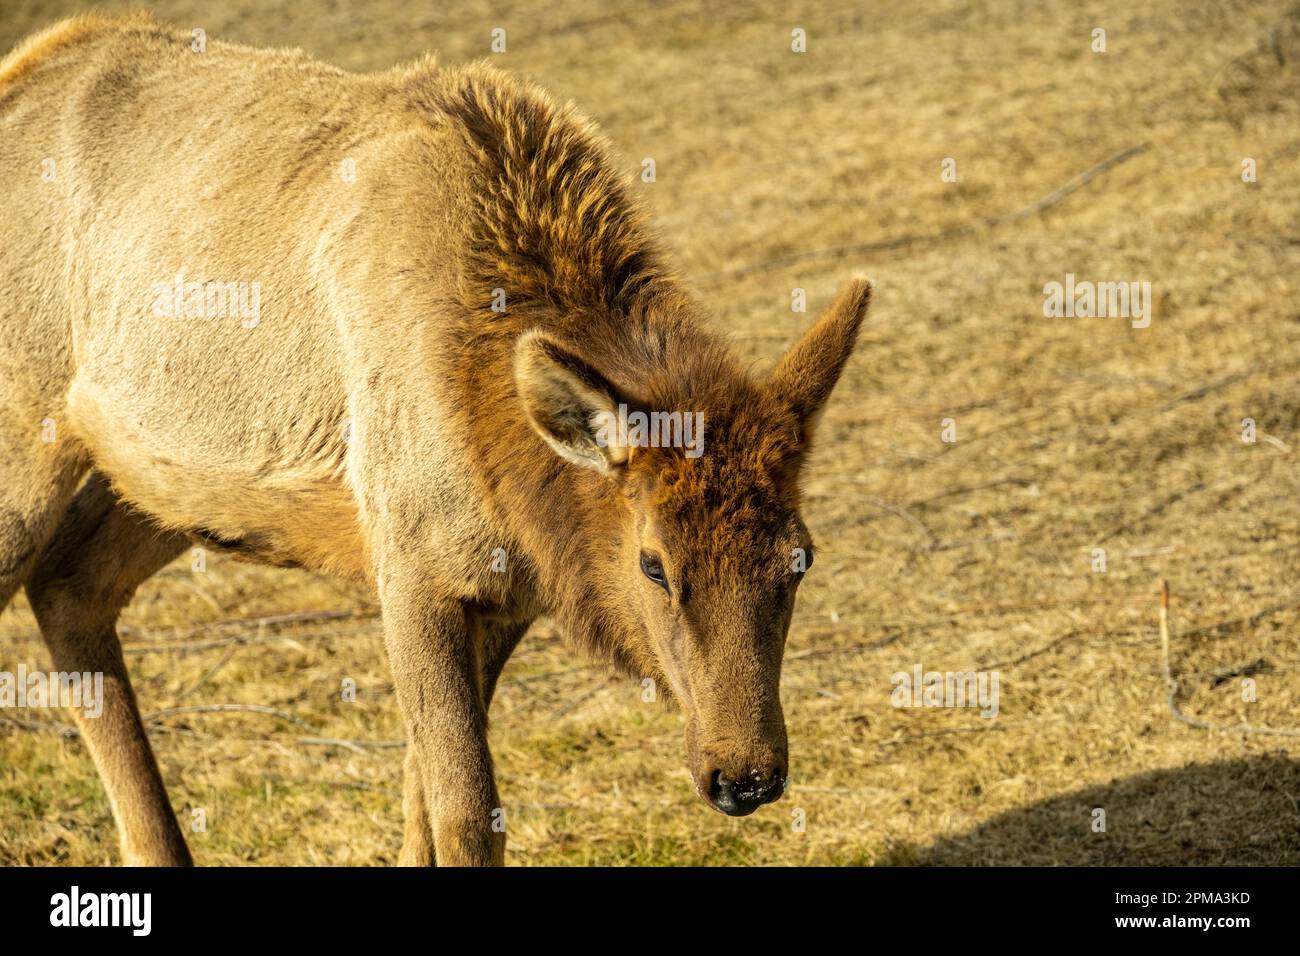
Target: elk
457, 289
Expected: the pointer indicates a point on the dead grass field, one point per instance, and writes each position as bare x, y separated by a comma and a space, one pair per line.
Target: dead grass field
1072, 434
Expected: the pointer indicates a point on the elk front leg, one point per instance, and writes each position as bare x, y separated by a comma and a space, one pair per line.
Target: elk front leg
417, 837
432, 649
498, 641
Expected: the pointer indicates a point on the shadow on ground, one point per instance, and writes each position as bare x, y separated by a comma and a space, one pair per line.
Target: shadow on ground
1237, 812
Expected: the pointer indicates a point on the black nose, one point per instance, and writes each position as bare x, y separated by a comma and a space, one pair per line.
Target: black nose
738, 798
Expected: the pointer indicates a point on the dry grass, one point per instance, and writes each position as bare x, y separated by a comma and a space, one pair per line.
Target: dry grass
1072, 434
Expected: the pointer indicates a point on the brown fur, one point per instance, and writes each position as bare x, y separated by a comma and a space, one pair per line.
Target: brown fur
382, 422
41, 46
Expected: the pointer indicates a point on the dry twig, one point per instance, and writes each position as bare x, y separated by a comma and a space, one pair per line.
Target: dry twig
1171, 686
226, 708
951, 232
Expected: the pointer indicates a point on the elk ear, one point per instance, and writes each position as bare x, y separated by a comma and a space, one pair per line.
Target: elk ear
805, 375
569, 403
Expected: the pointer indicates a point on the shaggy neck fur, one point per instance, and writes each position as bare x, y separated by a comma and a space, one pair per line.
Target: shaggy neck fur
557, 230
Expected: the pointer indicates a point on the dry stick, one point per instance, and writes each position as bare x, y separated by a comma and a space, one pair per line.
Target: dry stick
179, 645
1039, 651
226, 708
577, 702
208, 674
907, 738
951, 232
959, 490
1160, 506
1249, 620
357, 746
185, 647
273, 620
900, 628
1276, 442
47, 726
336, 784
1087, 176
331, 742
1171, 685
543, 676
886, 641
902, 512
203, 595
1206, 389
981, 486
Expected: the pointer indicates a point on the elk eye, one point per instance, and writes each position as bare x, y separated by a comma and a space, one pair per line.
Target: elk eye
653, 568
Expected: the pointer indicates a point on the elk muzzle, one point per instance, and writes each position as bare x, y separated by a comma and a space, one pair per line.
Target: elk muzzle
738, 798
743, 782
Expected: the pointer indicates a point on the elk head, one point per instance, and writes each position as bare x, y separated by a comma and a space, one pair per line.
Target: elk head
706, 546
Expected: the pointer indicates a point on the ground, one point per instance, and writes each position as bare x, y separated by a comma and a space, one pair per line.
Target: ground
777, 171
